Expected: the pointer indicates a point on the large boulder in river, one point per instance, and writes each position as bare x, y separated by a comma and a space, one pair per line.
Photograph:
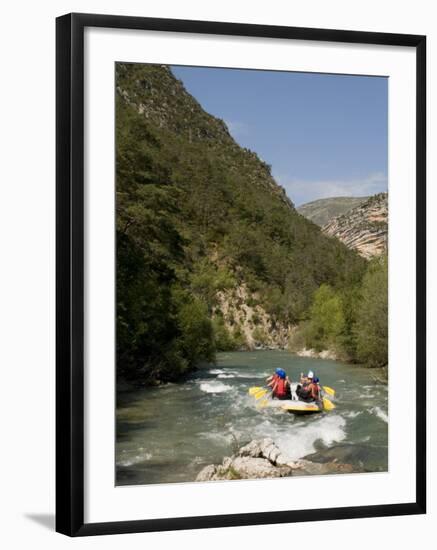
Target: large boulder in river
207, 473
256, 468
242, 467
261, 459
265, 448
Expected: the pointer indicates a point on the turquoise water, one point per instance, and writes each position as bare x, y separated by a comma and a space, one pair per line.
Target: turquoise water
169, 433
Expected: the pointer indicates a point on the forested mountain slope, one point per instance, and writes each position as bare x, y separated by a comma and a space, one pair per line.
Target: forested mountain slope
211, 253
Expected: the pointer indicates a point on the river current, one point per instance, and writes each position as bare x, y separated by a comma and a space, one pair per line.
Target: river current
169, 433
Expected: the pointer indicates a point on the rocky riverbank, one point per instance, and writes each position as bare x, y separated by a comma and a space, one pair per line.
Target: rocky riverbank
324, 354
263, 459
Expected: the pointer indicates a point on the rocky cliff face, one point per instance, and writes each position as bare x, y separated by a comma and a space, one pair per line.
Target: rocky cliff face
364, 228
248, 322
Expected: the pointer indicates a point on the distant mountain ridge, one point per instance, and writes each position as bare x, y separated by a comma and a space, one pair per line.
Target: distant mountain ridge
321, 211
364, 228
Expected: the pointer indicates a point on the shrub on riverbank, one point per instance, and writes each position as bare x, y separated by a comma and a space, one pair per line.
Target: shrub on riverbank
371, 326
353, 322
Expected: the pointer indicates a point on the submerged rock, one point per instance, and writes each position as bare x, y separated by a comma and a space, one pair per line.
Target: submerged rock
263, 459
357, 455
305, 467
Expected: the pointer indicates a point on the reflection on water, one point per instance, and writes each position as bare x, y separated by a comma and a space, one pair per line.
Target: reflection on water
168, 433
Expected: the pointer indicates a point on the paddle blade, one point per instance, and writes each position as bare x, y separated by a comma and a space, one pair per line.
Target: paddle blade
263, 403
327, 404
258, 392
261, 393
329, 390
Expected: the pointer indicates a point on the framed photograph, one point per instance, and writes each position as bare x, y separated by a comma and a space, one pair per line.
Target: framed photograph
240, 274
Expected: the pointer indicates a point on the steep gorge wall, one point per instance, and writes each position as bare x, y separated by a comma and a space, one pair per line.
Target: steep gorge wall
364, 228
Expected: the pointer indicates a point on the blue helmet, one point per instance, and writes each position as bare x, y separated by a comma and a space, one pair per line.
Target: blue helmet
281, 373
316, 380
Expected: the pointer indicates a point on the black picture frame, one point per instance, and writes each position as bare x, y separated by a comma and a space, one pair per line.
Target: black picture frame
70, 272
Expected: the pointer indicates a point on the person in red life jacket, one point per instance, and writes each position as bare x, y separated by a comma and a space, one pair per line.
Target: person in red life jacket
270, 381
281, 386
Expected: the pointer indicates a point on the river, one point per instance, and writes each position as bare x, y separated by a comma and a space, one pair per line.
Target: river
169, 433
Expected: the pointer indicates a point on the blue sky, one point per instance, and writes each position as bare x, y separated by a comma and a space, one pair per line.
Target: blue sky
323, 135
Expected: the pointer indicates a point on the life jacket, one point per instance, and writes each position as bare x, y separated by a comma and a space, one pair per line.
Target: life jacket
303, 392
313, 391
281, 390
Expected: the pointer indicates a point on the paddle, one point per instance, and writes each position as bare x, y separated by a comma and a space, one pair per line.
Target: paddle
327, 404
258, 392
329, 391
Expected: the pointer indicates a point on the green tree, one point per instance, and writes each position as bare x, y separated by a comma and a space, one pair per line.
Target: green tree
371, 327
196, 340
224, 341
207, 279
327, 320
347, 342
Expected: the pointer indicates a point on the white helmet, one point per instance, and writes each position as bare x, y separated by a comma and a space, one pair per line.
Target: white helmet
310, 374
